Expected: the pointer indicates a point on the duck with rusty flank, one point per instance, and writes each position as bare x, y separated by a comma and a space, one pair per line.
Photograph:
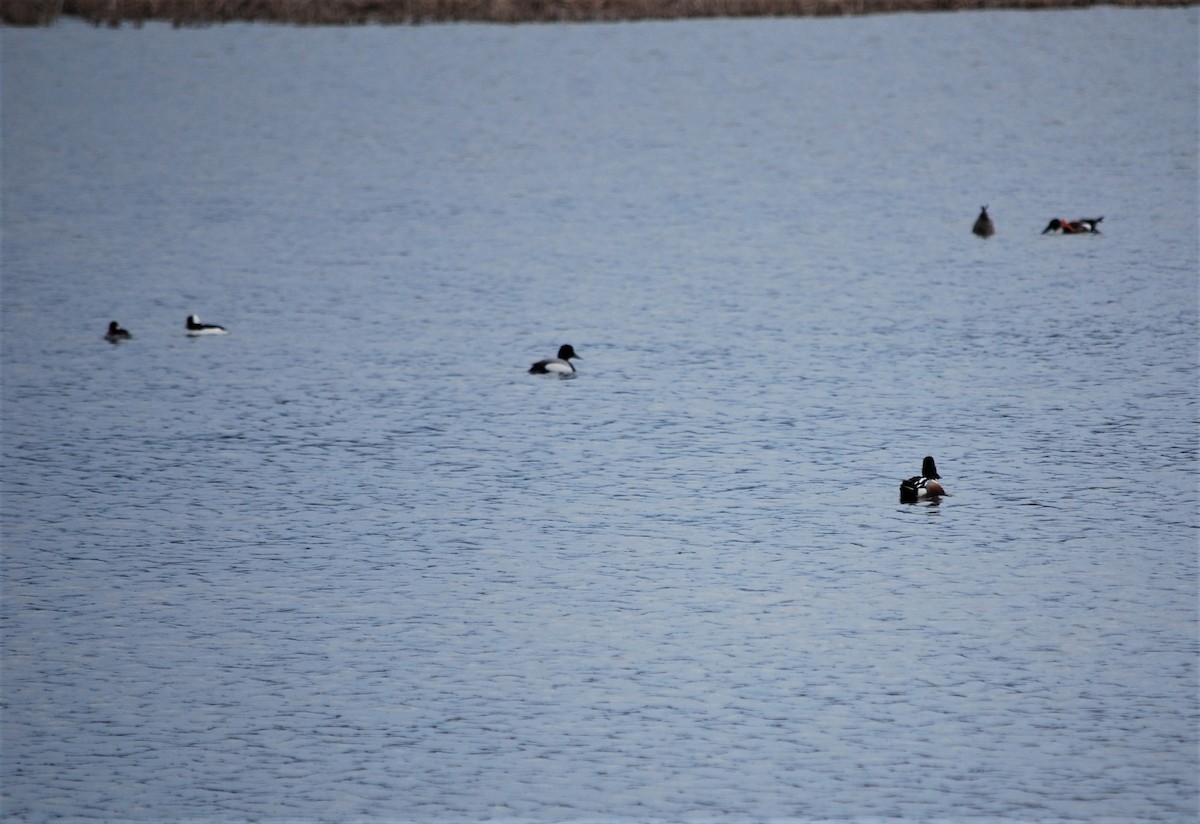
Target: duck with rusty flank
922, 486
1083, 226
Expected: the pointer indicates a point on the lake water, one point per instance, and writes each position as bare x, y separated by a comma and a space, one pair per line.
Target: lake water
351, 562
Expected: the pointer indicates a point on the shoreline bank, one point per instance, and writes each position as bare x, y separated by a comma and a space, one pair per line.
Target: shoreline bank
415, 12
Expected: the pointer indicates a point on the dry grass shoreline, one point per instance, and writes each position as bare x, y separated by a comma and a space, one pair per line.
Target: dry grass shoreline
413, 12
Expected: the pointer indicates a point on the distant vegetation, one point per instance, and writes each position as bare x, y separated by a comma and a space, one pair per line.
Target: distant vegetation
340, 12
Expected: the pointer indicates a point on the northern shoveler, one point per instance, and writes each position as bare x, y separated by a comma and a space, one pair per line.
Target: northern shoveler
1083, 226
924, 485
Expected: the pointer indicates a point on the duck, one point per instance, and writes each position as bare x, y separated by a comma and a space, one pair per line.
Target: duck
924, 485
983, 224
1083, 226
195, 327
561, 365
115, 333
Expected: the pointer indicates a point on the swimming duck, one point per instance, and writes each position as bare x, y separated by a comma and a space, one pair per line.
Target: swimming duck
195, 327
115, 333
1082, 226
983, 224
924, 485
561, 365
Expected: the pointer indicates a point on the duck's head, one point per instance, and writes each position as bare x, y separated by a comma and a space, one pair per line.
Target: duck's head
566, 352
929, 468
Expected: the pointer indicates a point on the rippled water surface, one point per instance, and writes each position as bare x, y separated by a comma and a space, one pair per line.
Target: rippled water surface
352, 562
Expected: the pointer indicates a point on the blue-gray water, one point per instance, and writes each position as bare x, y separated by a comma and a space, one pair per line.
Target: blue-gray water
352, 562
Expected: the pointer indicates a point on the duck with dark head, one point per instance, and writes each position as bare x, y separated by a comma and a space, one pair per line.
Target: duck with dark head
924, 485
983, 224
556, 366
116, 333
1083, 226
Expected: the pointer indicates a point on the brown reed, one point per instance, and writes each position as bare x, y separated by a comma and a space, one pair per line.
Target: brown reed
413, 12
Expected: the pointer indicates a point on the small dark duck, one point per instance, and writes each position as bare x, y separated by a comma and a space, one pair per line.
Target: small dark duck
983, 224
1083, 226
115, 333
924, 485
556, 366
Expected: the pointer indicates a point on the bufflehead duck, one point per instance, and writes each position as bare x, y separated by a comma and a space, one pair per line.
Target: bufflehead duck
983, 224
1083, 226
195, 327
924, 485
115, 333
561, 365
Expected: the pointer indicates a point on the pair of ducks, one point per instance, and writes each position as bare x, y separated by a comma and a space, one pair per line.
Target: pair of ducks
912, 490
116, 333
984, 227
